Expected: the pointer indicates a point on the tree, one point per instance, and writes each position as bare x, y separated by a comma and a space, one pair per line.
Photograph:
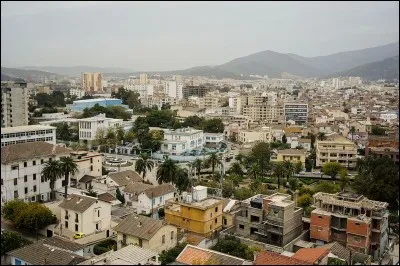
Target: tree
52, 171
289, 169
232, 246
12, 240
243, 193
90, 192
198, 164
254, 171
214, 125
236, 169
167, 171
240, 157
143, 164
321, 136
261, 153
119, 196
68, 167
193, 121
284, 139
331, 169
34, 216
213, 160
170, 255
293, 183
377, 130
298, 167
343, 179
129, 136
326, 187
312, 136
182, 179
120, 133
234, 179
378, 179
11, 209
279, 172
101, 138
352, 131
304, 200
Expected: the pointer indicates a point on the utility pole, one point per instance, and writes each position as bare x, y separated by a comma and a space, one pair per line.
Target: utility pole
37, 237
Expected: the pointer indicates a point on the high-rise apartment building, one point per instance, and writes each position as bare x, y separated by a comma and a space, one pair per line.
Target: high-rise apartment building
14, 104
297, 112
266, 113
173, 89
92, 82
199, 91
352, 220
143, 80
336, 149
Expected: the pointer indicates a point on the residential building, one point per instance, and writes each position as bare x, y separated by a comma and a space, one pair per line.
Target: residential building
230, 209
291, 155
273, 219
21, 166
196, 213
213, 140
143, 79
173, 89
92, 82
45, 252
146, 233
14, 104
315, 256
297, 112
88, 163
392, 153
179, 141
43, 89
85, 214
144, 90
192, 255
22, 134
252, 135
114, 181
80, 105
88, 127
199, 91
210, 100
266, 113
131, 192
129, 255
153, 198
352, 220
305, 144
336, 149
79, 93
271, 258
383, 141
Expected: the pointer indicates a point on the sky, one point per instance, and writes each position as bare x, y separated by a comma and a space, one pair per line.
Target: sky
159, 36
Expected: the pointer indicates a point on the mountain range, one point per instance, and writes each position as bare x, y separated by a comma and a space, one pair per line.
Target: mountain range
370, 63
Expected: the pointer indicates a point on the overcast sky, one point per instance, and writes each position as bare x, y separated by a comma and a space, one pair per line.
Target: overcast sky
144, 36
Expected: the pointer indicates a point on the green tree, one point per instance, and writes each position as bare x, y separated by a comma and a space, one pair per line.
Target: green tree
298, 167
143, 164
193, 121
321, 136
90, 192
378, 179
69, 167
352, 131
236, 169
304, 200
129, 136
377, 130
312, 136
234, 179
213, 160
12, 240
100, 137
331, 169
11, 209
182, 179
167, 171
120, 133
284, 139
289, 169
52, 171
261, 153
293, 183
279, 172
326, 187
228, 189
198, 164
232, 246
170, 255
34, 216
243, 193
119, 196
157, 134
253, 171
343, 179
214, 125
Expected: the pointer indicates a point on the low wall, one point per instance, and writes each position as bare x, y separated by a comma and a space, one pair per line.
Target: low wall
305, 235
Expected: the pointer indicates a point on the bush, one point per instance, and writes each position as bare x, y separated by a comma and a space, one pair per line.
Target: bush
98, 250
308, 181
12, 240
170, 256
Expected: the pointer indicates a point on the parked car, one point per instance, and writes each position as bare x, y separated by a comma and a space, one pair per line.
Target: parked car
79, 235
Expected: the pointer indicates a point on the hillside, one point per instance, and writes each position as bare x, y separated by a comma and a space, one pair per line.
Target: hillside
76, 71
386, 69
25, 74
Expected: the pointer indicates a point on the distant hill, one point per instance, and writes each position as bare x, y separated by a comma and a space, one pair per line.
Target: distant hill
25, 74
386, 69
76, 70
8, 78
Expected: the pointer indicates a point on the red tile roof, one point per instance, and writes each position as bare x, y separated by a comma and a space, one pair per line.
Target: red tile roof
271, 258
311, 254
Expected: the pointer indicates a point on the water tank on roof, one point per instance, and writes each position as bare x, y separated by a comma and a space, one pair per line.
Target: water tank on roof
184, 194
256, 203
189, 198
199, 193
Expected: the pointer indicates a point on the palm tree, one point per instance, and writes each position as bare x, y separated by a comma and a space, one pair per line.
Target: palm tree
352, 131
198, 164
321, 136
68, 166
289, 169
144, 164
254, 170
236, 168
279, 172
213, 160
182, 179
101, 138
167, 171
239, 158
52, 171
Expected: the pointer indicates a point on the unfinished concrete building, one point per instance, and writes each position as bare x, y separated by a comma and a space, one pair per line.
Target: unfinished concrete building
273, 219
352, 220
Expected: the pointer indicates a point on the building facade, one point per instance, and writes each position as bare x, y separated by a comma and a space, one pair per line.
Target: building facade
80, 105
14, 104
266, 113
179, 141
92, 82
336, 149
297, 112
22, 134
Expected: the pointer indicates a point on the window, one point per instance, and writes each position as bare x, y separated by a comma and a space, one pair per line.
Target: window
2, 181
15, 194
33, 162
160, 199
216, 220
216, 209
25, 178
97, 226
14, 167
224, 221
91, 160
42, 179
319, 216
41, 161
25, 164
163, 239
76, 228
241, 226
91, 168
15, 181
154, 201
34, 188
357, 223
172, 235
210, 215
26, 190
66, 224
98, 213
357, 238
50, 159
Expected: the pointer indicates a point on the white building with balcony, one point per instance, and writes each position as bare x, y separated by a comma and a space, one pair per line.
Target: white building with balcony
22, 134
179, 141
213, 139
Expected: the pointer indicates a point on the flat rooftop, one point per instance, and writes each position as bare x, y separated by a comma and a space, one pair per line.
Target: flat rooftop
7, 130
205, 203
277, 197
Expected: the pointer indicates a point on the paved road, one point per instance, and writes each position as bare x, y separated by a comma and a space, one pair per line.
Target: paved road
8, 226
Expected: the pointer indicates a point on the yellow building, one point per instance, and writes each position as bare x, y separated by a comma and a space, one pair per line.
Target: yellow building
202, 216
92, 82
291, 155
336, 149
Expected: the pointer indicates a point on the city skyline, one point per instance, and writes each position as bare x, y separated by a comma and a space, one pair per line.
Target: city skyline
176, 35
